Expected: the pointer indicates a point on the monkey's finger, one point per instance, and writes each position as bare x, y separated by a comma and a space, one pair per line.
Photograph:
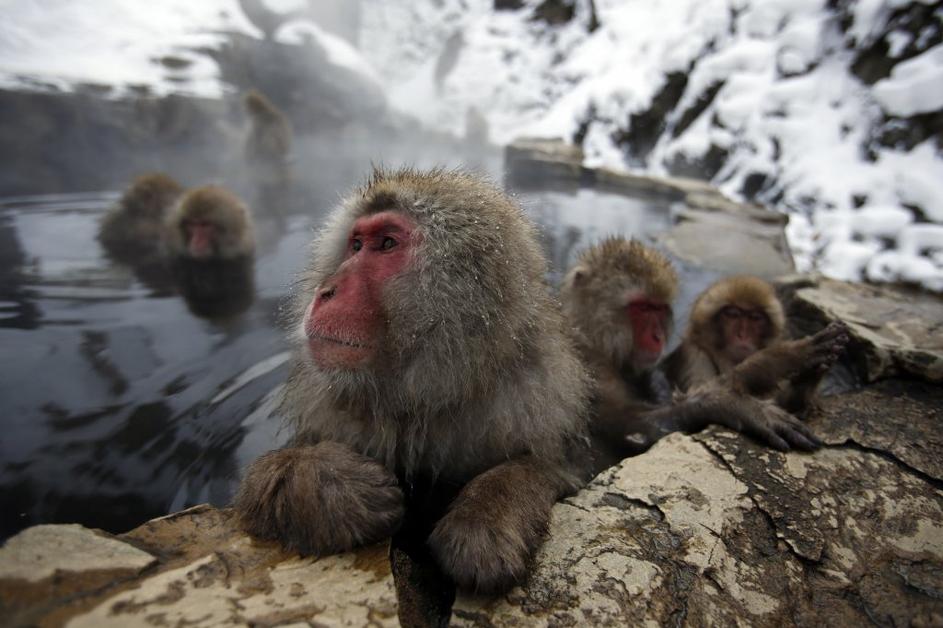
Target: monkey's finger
796, 425
796, 438
765, 433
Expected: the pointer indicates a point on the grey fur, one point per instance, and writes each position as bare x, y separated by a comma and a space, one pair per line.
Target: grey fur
474, 372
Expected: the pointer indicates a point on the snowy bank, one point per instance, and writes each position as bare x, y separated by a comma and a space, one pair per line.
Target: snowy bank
817, 109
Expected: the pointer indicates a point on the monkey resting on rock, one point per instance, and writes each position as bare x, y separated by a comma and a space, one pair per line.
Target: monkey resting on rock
735, 333
617, 298
429, 354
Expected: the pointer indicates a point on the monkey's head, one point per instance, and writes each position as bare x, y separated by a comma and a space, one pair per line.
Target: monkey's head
150, 195
210, 223
422, 287
735, 317
619, 296
257, 104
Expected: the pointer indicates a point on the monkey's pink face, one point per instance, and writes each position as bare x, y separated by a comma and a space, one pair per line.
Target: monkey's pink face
650, 320
743, 331
201, 236
345, 321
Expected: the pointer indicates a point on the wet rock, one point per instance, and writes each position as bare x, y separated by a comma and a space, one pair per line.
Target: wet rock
731, 238
67, 142
895, 330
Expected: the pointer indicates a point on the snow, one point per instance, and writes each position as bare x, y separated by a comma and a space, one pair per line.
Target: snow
915, 86
339, 51
789, 106
115, 42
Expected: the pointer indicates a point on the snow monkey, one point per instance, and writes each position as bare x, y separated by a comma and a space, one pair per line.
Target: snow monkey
268, 144
618, 299
736, 330
209, 223
131, 232
429, 352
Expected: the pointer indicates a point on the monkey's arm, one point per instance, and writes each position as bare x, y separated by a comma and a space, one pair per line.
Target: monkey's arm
319, 499
802, 361
715, 404
496, 523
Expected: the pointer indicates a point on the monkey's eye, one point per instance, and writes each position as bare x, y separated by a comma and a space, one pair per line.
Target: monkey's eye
356, 245
731, 312
755, 316
388, 243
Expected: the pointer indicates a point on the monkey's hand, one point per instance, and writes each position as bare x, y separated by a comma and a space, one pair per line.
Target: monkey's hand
319, 499
823, 349
776, 427
494, 526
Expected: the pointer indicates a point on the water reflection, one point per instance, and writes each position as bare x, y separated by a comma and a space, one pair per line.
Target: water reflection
119, 404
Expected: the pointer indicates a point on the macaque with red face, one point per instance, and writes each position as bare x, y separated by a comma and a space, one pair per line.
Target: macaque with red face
736, 332
618, 300
209, 223
131, 232
431, 360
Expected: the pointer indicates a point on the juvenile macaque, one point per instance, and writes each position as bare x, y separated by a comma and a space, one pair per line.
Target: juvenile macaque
131, 232
430, 357
735, 332
209, 223
618, 299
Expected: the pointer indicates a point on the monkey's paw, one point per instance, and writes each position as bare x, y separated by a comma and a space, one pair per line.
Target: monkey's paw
486, 541
319, 499
780, 429
826, 347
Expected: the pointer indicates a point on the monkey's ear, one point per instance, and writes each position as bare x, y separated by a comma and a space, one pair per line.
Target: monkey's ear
578, 276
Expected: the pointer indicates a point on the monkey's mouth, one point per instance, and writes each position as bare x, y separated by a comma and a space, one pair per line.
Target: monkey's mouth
338, 341
330, 352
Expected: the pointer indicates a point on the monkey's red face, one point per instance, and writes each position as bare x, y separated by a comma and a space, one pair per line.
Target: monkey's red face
743, 331
650, 320
345, 321
200, 235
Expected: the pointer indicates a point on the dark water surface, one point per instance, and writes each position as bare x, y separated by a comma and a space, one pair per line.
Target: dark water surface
119, 404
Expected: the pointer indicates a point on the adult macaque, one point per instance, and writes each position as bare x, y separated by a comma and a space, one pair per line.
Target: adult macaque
131, 232
209, 244
429, 356
735, 331
209, 223
268, 144
618, 300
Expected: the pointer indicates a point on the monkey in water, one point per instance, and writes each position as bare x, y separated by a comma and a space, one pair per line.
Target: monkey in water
132, 231
735, 332
617, 298
209, 223
429, 354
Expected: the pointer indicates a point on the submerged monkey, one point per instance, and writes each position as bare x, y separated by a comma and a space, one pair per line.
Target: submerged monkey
430, 360
618, 300
210, 242
735, 332
132, 231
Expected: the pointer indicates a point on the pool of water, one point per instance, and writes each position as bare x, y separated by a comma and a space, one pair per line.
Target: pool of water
120, 404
